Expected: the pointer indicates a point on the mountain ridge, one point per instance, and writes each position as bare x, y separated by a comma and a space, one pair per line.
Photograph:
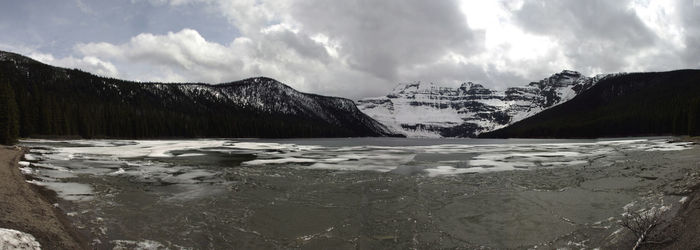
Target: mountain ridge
68, 102
635, 104
426, 110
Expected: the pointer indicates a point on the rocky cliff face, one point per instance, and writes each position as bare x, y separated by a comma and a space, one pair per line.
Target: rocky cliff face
426, 110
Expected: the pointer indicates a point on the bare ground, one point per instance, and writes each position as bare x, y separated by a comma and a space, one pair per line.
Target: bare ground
27, 208
683, 230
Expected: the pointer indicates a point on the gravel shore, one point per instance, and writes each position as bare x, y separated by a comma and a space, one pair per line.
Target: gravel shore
28, 208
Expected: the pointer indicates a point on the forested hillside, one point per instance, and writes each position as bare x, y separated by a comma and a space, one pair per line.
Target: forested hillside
39, 100
638, 104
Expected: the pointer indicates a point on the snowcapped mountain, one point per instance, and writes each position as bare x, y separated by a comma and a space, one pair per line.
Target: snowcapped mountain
633, 104
426, 110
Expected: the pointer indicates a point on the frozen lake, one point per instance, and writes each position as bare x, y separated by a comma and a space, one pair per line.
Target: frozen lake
356, 193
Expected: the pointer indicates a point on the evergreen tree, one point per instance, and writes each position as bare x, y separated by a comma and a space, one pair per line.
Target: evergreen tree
9, 117
657, 103
71, 103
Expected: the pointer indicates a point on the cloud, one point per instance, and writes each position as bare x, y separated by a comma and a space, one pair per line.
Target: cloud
368, 48
690, 13
185, 52
381, 37
167, 2
87, 63
359, 48
187, 56
595, 35
84, 7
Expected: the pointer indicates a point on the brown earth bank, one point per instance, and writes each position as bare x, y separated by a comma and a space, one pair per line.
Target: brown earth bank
24, 208
683, 230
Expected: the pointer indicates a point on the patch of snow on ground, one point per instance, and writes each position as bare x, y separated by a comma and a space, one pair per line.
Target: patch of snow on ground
13, 239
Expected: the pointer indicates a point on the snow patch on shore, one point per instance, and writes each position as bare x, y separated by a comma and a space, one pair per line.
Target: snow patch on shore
13, 239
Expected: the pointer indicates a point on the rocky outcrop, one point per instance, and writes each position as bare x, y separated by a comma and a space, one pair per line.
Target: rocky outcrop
428, 110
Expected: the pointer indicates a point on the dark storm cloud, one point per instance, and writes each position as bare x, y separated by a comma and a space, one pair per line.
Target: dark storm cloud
691, 20
592, 20
382, 36
594, 33
300, 43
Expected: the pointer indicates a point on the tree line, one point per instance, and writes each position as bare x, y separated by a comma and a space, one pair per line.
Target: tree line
38, 100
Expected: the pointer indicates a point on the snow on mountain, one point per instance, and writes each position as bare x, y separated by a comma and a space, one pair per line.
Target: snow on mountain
427, 110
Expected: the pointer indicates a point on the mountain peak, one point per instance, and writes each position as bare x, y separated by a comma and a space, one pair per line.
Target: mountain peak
558, 80
407, 87
418, 109
258, 82
471, 85
569, 72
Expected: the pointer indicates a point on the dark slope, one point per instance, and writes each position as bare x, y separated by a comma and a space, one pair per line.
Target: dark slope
638, 104
52, 101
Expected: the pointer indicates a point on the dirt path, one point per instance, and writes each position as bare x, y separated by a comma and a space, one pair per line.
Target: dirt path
23, 208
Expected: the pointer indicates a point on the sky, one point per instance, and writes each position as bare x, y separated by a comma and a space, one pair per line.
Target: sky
354, 48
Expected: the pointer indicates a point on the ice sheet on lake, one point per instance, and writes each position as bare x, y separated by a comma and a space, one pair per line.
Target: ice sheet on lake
487, 158
125, 149
68, 190
30, 157
166, 162
494, 157
144, 244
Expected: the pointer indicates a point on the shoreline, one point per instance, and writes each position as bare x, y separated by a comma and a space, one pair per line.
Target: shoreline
679, 231
682, 230
28, 208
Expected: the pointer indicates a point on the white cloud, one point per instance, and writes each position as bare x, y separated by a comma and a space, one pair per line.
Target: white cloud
180, 55
511, 55
358, 48
187, 56
86, 63
663, 17
278, 40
